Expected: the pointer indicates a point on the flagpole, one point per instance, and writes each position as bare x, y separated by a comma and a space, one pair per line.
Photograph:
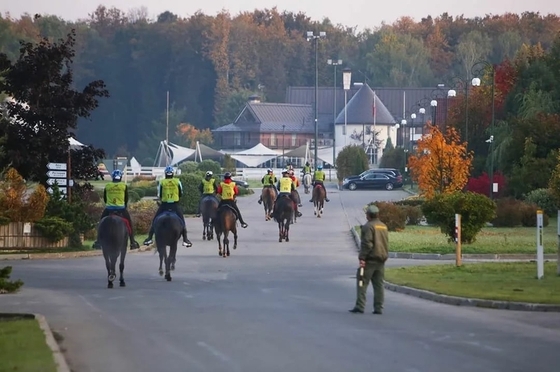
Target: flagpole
374, 148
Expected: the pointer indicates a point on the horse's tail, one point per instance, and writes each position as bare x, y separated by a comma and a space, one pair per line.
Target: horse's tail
112, 232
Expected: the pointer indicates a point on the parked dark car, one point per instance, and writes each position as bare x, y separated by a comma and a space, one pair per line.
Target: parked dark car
391, 171
239, 183
373, 180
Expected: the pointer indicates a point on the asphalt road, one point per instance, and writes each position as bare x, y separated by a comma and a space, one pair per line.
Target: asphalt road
270, 307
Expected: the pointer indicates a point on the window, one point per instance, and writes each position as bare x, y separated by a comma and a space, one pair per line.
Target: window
237, 139
294, 139
273, 139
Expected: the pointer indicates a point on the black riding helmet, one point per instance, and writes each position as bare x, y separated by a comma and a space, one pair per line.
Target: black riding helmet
227, 176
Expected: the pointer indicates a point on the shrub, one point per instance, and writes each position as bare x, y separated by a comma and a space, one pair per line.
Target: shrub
6, 285
191, 195
508, 213
544, 199
529, 215
188, 167
142, 214
143, 178
391, 215
413, 214
481, 184
54, 228
229, 164
144, 184
243, 191
210, 165
16, 204
350, 161
133, 196
138, 190
412, 201
475, 210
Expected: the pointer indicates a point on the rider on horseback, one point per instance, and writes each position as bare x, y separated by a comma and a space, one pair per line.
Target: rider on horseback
207, 188
318, 179
228, 190
286, 186
170, 191
306, 169
268, 180
115, 197
296, 185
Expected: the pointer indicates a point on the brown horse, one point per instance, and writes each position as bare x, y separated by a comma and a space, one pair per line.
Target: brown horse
226, 222
283, 215
268, 197
318, 200
295, 196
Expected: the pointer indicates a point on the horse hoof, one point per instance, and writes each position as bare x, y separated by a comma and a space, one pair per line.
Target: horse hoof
110, 285
161, 273
228, 254
204, 238
220, 254
111, 277
172, 267
123, 284
168, 277
287, 239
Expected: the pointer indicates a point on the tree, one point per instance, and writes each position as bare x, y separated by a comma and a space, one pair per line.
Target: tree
15, 203
350, 161
442, 163
44, 108
193, 135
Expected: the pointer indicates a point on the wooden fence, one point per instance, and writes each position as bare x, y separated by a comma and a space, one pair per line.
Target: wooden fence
13, 236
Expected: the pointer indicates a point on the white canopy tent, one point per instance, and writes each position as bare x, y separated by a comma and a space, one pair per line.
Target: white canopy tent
171, 154
255, 156
74, 144
326, 154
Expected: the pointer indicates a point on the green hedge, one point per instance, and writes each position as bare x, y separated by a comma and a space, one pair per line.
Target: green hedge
191, 195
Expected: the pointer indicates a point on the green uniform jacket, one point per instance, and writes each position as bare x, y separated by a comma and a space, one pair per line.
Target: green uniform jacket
374, 241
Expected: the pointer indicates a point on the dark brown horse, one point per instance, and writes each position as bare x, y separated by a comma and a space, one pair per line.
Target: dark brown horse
318, 200
295, 196
226, 222
283, 215
268, 197
209, 210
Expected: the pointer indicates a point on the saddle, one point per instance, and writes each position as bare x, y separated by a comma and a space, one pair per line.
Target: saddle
118, 213
225, 206
172, 214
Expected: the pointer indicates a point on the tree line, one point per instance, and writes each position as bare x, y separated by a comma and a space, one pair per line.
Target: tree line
211, 64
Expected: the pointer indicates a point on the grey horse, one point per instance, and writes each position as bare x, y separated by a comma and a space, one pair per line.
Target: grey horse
168, 230
113, 237
209, 210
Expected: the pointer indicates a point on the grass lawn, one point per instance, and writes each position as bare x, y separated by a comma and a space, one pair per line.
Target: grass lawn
505, 281
139, 238
495, 240
23, 347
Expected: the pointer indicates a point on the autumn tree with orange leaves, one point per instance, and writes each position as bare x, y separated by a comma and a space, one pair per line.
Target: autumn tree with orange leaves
442, 163
191, 135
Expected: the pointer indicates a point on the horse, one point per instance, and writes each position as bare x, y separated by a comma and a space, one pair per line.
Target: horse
295, 196
306, 182
268, 196
113, 233
283, 215
226, 222
168, 229
318, 200
209, 210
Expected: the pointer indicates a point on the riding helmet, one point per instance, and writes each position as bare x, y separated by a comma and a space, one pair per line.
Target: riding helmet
116, 175
227, 176
168, 171
209, 174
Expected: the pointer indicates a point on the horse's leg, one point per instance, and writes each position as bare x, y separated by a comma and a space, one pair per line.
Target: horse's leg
219, 239
234, 238
315, 208
169, 260
288, 231
204, 229
121, 267
161, 256
280, 230
108, 266
172, 257
226, 243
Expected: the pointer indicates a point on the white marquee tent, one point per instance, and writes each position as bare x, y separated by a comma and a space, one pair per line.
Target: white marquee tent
255, 156
74, 144
173, 154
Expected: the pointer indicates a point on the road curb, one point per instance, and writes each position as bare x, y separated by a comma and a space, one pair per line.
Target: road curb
473, 302
454, 300
451, 256
58, 356
62, 255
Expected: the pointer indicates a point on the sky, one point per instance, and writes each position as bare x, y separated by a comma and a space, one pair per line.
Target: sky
356, 13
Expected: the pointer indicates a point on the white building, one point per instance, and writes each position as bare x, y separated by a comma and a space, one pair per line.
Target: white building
367, 122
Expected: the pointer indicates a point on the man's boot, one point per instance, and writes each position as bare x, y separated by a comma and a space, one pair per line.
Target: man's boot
260, 199
186, 242
96, 245
326, 199
149, 240
198, 210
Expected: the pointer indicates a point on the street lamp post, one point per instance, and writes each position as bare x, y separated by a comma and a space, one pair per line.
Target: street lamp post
422, 111
412, 130
283, 148
315, 38
334, 63
403, 129
433, 103
477, 69
451, 93
346, 82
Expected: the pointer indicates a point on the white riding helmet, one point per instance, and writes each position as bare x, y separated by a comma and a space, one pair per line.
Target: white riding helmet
269, 170
209, 174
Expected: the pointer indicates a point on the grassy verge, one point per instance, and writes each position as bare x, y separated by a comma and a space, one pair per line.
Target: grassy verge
23, 347
495, 240
492, 281
139, 238
254, 184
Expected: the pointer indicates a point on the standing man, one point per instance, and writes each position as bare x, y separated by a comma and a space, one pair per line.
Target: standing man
373, 255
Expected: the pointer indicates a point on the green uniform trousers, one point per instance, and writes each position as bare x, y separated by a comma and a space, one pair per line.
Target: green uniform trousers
374, 272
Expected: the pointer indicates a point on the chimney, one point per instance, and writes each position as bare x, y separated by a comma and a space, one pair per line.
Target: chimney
254, 99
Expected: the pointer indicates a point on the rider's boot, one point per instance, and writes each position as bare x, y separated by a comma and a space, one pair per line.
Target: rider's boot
96, 245
198, 211
149, 240
186, 242
326, 199
260, 200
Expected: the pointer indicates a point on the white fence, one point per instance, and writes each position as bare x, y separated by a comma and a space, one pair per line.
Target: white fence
240, 173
